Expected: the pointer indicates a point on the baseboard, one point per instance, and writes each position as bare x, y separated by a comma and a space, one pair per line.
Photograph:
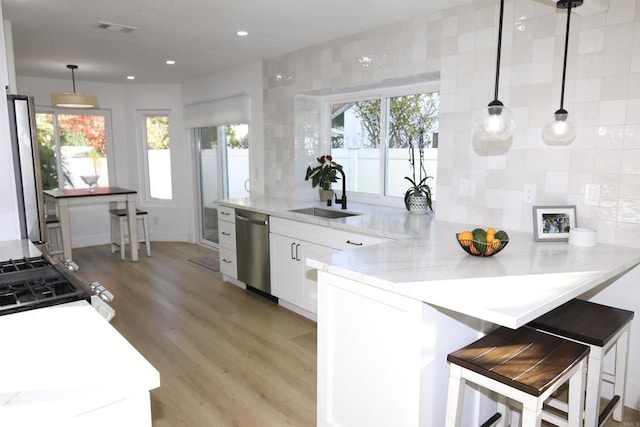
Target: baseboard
632, 395
299, 310
105, 239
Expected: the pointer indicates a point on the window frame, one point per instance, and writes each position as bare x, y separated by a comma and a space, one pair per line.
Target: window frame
108, 134
381, 93
145, 179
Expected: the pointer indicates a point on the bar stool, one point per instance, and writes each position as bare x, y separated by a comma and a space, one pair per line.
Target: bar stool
522, 365
118, 226
601, 328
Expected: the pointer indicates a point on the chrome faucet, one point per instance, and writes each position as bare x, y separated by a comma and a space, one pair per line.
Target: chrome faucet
343, 199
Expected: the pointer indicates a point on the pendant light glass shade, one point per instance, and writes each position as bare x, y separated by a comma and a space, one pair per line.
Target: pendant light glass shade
73, 99
495, 123
560, 130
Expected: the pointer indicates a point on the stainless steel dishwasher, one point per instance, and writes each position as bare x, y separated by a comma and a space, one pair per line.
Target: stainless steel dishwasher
252, 245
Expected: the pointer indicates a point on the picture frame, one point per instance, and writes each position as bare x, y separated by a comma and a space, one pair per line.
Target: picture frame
552, 223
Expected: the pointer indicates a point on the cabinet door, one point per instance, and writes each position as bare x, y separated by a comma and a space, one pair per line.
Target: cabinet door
287, 268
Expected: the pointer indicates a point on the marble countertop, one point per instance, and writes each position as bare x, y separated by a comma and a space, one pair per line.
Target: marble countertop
425, 262
63, 361
16, 249
382, 221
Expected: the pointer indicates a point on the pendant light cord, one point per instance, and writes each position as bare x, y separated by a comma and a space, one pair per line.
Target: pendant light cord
495, 93
566, 50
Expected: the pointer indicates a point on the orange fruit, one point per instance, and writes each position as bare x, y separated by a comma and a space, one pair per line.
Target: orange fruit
465, 238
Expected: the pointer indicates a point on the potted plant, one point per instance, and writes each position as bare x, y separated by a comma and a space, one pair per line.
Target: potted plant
417, 199
322, 175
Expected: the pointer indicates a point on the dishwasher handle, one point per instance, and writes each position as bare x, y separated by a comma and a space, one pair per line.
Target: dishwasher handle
251, 221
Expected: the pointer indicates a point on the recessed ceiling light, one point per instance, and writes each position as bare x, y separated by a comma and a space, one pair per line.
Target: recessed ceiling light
131, 77
242, 33
170, 62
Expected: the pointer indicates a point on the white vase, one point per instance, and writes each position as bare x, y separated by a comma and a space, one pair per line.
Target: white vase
418, 204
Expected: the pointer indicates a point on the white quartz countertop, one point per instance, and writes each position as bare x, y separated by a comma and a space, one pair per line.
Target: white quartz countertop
525, 280
383, 221
425, 262
62, 361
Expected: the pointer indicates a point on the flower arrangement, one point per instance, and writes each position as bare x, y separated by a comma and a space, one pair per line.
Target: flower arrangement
320, 176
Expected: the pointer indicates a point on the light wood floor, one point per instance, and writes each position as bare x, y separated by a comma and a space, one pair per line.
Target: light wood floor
226, 357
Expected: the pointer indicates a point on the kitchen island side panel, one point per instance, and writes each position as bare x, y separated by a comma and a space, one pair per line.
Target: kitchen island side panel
382, 357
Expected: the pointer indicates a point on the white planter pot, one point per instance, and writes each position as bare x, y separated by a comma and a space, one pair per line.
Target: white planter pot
325, 195
418, 204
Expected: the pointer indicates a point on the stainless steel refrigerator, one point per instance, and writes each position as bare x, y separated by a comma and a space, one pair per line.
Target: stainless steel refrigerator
26, 160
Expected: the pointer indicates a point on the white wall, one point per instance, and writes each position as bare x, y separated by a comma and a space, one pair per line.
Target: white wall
168, 221
9, 219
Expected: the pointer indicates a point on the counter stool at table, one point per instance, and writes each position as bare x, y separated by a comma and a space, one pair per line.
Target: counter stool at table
601, 328
119, 240
521, 365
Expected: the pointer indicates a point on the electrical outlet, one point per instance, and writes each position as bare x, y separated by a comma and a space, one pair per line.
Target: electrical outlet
467, 188
529, 195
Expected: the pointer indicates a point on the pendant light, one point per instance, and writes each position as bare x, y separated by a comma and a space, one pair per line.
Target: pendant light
496, 122
560, 130
75, 99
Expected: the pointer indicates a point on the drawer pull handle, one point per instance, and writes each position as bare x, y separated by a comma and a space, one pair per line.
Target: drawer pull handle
225, 213
292, 246
354, 243
297, 256
224, 233
226, 260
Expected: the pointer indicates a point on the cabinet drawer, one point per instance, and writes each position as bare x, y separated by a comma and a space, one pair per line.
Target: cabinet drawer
226, 214
228, 264
227, 234
321, 235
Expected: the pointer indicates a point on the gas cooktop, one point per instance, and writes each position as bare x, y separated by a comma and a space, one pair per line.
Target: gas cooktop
36, 282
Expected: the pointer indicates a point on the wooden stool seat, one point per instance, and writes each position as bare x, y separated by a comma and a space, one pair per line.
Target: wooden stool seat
601, 327
118, 227
523, 365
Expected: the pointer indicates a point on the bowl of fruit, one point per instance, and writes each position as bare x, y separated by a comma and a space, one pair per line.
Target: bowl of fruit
481, 242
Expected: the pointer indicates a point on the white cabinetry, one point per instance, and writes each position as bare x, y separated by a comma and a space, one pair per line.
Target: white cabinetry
227, 241
291, 279
290, 244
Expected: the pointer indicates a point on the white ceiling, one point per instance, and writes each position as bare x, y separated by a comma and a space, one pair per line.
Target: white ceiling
198, 34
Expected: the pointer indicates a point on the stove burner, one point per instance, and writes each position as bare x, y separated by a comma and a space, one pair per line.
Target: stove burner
34, 283
25, 292
22, 264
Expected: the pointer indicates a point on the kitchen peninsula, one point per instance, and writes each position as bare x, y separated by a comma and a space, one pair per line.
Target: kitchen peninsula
388, 314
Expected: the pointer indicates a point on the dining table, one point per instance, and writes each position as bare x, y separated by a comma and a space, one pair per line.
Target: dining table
67, 198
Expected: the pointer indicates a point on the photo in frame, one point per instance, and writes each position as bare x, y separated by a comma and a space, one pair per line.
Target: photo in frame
552, 223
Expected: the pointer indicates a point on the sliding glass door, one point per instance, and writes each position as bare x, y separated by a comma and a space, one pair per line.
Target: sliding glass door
223, 172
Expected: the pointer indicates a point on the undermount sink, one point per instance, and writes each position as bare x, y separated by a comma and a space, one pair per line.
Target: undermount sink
324, 213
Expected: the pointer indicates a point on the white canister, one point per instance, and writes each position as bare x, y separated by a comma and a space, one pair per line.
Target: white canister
582, 237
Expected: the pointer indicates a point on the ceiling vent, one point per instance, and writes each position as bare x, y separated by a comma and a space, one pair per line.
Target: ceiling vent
116, 28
